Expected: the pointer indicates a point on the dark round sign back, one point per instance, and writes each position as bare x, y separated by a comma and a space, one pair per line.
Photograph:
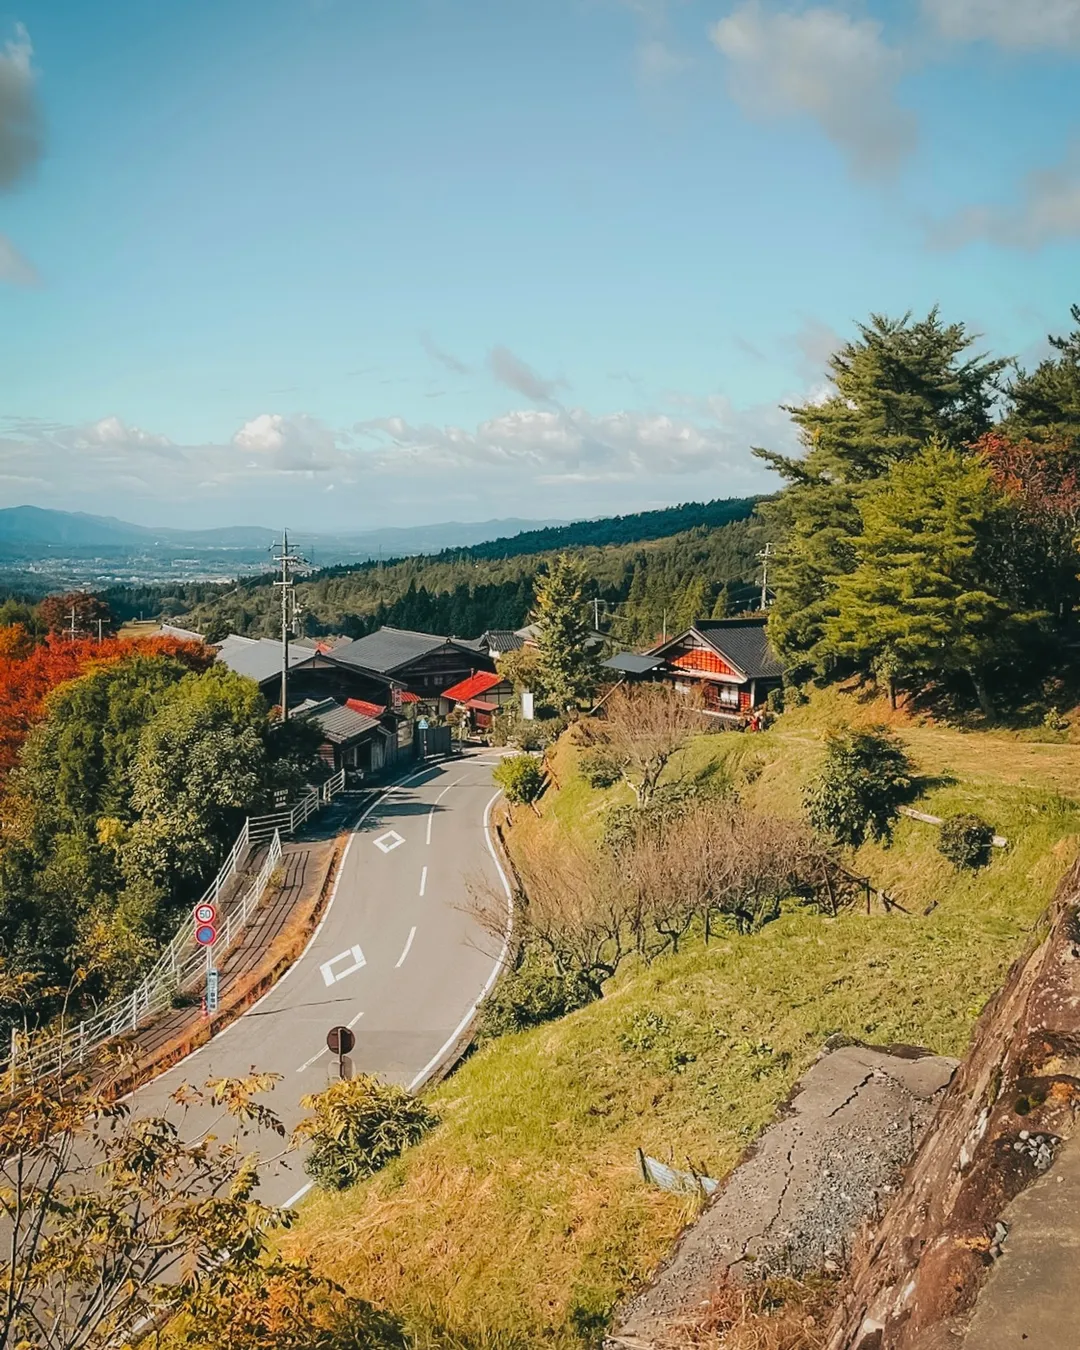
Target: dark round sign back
340, 1040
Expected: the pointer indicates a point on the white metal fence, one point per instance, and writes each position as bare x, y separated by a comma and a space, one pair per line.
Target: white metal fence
181, 967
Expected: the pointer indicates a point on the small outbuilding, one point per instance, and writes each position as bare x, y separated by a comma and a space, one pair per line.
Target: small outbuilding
351, 740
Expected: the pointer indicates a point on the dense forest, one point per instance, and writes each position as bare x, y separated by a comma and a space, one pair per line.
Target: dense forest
665, 574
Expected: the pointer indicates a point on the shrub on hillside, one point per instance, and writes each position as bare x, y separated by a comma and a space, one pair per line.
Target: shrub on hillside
521, 778
359, 1125
601, 767
966, 840
856, 794
533, 993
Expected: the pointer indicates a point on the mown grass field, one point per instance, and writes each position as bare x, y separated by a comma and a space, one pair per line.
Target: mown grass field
522, 1218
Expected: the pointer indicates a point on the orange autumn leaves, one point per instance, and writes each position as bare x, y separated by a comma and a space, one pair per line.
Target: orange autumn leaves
30, 671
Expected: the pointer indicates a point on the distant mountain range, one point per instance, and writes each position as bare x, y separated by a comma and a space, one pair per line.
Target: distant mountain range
26, 529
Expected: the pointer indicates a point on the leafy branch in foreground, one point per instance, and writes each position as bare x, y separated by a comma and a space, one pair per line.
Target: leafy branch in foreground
114, 1223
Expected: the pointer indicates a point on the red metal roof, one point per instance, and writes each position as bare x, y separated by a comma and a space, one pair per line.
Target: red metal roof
361, 705
473, 687
408, 697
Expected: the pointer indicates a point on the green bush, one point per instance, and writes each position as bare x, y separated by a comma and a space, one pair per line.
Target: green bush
359, 1125
774, 700
601, 767
533, 993
967, 841
521, 778
857, 792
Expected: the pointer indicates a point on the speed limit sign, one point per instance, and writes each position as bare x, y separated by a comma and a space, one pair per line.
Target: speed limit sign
204, 913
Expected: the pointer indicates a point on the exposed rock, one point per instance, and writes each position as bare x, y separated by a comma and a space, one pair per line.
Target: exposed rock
797, 1201
1004, 1122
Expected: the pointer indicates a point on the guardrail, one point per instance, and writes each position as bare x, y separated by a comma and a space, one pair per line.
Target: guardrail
181, 967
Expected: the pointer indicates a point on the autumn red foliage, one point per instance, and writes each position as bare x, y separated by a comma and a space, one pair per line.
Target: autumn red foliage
29, 672
1044, 476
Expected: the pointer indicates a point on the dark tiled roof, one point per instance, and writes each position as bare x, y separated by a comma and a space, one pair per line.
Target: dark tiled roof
257, 658
388, 649
336, 722
745, 644
502, 640
631, 663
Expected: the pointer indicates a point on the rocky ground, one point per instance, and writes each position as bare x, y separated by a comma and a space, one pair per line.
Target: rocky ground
797, 1202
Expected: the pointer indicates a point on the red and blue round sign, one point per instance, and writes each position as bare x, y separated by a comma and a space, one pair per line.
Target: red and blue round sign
205, 934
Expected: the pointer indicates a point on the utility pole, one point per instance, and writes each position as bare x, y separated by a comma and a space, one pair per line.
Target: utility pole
596, 614
289, 611
765, 555
100, 623
71, 619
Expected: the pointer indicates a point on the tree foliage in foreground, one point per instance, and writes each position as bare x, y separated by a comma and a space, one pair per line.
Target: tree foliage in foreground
113, 1221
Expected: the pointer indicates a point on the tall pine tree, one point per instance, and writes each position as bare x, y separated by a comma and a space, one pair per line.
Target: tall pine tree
567, 668
901, 383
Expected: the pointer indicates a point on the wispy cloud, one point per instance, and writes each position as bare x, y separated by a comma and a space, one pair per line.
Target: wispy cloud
444, 358
1016, 25
1046, 210
516, 374
824, 64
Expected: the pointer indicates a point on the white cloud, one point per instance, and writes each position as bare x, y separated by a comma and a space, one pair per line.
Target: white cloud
824, 64
533, 462
296, 444
20, 116
1047, 209
1016, 25
14, 268
515, 374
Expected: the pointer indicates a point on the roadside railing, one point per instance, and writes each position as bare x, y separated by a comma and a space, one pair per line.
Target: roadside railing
181, 967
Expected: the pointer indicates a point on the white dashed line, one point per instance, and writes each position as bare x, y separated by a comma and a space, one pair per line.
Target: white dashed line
423, 881
408, 945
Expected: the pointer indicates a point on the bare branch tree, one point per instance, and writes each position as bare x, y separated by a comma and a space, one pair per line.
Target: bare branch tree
644, 727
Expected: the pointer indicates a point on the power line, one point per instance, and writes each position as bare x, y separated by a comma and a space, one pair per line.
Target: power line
290, 610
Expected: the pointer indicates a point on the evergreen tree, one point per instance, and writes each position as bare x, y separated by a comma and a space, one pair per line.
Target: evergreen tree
567, 667
898, 385
1045, 403
692, 604
922, 601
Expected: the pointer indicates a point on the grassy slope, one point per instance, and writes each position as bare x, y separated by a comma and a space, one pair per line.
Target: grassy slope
522, 1218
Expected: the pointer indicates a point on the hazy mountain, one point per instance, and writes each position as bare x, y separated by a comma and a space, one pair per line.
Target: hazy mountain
24, 528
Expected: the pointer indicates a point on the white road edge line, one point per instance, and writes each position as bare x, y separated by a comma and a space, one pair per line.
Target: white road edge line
408, 943
356, 1019
416, 773
441, 1054
299, 1195
423, 881
308, 1063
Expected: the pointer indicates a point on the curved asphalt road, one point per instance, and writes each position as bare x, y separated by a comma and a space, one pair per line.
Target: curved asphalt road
396, 958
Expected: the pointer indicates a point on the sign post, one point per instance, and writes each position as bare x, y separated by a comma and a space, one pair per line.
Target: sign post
205, 916
339, 1041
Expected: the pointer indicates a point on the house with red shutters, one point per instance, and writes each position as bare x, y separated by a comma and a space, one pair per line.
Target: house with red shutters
730, 661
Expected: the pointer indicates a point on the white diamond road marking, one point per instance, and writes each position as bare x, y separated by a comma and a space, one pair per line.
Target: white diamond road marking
331, 977
389, 841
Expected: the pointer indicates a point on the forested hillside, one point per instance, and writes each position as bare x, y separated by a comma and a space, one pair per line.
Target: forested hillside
674, 565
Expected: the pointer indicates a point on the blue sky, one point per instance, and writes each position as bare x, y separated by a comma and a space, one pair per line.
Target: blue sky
344, 263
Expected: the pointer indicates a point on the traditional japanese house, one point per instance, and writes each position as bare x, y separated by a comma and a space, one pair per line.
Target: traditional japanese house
483, 694
729, 660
